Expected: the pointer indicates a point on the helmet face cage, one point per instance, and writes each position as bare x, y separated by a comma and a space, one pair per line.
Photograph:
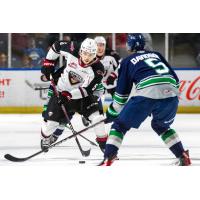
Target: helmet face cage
135, 41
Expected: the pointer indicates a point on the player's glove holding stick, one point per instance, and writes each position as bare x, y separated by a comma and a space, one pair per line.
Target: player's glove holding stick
111, 114
64, 97
111, 79
47, 69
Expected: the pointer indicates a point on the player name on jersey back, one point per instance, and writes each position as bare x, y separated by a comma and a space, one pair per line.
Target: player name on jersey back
143, 57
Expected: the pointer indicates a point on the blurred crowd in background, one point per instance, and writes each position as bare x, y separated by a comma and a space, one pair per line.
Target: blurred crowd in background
27, 50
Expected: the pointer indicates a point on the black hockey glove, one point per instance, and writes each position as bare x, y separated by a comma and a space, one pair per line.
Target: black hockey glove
111, 79
48, 68
111, 114
64, 97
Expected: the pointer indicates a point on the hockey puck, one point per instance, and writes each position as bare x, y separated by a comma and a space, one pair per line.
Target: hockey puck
82, 162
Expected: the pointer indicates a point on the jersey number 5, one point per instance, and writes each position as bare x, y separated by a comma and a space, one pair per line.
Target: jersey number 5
158, 66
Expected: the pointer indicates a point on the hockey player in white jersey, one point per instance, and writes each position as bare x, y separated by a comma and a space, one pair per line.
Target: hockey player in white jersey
110, 65
76, 83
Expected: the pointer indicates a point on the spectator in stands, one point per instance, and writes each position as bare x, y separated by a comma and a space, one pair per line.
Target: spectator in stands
188, 43
3, 60
36, 54
3, 42
78, 37
148, 41
26, 62
67, 37
51, 38
121, 43
19, 42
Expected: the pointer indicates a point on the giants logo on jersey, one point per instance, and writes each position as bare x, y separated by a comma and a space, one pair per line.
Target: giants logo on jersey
75, 78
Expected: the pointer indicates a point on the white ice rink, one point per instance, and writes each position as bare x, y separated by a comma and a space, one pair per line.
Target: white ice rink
20, 136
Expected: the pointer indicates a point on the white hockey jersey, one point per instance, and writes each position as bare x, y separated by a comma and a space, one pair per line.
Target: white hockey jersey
110, 65
77, 79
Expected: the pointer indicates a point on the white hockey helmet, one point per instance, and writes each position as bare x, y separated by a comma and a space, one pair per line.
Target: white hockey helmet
90, 46
100, 39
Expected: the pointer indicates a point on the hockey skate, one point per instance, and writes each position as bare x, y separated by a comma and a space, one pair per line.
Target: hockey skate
47, 141
108, 161
184, 160
86, 121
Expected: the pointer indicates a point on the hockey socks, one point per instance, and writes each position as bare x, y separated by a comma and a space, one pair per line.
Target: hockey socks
171, 139
102, 143
113, 143
49, 95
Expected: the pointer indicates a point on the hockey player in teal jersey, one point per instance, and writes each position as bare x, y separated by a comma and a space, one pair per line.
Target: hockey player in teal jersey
156, 94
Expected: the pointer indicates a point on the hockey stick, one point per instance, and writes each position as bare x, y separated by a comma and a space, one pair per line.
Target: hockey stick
16, 159
91, 142
32, 86
41, 88
83, 152
37, 86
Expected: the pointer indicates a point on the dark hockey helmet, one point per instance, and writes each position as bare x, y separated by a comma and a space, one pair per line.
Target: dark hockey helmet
135, 41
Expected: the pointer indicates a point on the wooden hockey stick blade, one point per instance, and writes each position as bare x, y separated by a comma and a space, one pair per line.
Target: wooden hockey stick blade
29, 84
36, 86
16, 159
83, 152
86, 152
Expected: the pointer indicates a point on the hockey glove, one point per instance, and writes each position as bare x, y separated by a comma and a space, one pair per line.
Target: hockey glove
111, 79
111, 114
48, 68
64, 97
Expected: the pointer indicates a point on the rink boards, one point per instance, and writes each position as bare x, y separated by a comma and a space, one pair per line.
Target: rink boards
21, 91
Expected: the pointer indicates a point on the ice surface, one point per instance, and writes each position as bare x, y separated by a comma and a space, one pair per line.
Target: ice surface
20, 136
